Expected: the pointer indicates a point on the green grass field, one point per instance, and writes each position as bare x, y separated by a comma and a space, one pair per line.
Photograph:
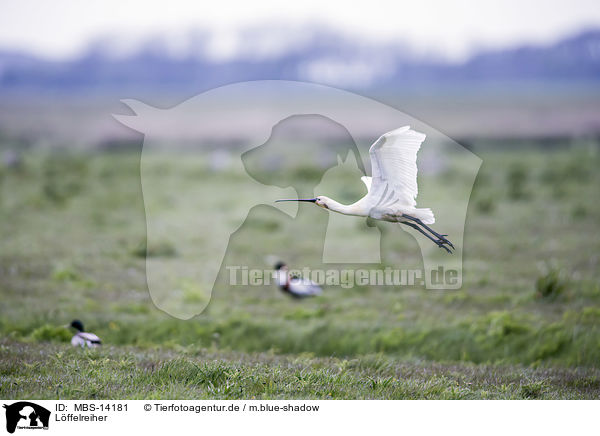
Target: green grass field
526, 323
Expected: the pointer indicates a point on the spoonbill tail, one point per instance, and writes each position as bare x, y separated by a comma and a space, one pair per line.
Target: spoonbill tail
83, 339
392, 188
295, 286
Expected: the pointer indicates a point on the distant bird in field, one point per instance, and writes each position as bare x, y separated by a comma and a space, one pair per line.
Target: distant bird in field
296, 287
392, 189
82, 338
12, 159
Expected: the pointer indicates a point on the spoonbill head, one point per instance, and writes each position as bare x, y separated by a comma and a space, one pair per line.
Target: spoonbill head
392, 188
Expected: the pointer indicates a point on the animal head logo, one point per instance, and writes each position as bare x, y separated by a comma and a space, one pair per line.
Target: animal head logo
26, 415
248, 144
299, 151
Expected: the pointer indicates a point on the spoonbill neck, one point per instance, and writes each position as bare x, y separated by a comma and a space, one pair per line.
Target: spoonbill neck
351, 209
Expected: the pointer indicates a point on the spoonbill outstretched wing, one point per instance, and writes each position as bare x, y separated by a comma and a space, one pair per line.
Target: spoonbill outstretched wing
394, 164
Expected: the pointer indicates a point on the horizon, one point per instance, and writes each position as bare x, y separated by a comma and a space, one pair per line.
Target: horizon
66, 29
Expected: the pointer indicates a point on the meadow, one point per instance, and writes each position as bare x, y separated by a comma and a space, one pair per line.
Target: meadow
526, 323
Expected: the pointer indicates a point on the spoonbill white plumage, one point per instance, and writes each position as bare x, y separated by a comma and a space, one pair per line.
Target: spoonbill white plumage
392, 188
296, 287
83, 339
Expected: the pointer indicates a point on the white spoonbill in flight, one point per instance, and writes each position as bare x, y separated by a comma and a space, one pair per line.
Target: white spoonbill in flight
296, 287
392, 187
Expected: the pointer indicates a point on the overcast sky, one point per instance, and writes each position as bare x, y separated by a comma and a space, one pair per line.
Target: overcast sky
62, 28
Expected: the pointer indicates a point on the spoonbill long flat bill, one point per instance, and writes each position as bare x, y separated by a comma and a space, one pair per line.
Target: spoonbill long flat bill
392, 188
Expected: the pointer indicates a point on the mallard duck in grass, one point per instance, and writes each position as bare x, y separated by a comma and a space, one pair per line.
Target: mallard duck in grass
83, 338
296, 287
